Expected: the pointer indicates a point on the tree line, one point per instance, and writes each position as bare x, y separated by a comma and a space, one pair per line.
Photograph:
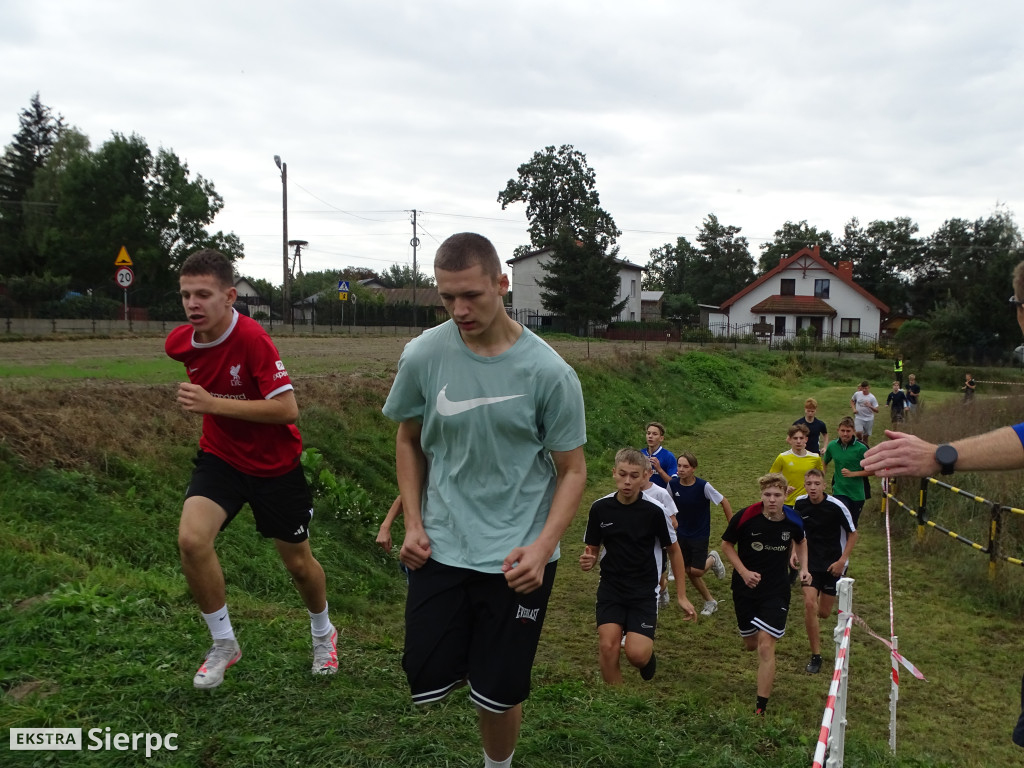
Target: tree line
66, 209
950, 282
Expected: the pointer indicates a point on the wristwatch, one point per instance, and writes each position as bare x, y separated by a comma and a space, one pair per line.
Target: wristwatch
945, 457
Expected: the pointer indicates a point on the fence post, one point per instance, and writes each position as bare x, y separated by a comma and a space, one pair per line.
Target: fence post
994, 530
837, 743
922, 514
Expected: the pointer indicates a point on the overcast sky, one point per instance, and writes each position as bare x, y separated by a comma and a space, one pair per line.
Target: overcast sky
760, 113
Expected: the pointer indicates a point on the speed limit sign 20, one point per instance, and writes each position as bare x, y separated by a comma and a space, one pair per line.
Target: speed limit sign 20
124, 277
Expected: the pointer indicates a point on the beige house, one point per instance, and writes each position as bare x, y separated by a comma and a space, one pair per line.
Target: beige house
526, 303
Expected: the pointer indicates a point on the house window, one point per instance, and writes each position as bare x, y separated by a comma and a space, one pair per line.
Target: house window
821, 288
632, 288
849, 327
780, 325
763, 320
788, 286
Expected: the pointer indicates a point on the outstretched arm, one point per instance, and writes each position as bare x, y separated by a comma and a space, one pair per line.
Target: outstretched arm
905, 454
675, 556
384, 534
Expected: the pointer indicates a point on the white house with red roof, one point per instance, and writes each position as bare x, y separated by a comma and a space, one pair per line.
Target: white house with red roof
803, 292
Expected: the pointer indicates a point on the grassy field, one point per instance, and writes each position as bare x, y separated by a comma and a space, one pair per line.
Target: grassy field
99, 631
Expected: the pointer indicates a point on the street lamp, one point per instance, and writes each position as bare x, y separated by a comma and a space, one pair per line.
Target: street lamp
286, 290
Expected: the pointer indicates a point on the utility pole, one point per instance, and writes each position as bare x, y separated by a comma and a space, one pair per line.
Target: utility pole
298, 245
415, 242
286, 290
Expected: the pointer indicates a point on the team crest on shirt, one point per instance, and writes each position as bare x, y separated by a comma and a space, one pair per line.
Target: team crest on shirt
785, 535
236, 380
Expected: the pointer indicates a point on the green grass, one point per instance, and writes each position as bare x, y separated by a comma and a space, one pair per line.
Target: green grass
155, 371
99, 630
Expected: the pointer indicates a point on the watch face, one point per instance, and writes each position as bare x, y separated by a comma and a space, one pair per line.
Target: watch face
946, 456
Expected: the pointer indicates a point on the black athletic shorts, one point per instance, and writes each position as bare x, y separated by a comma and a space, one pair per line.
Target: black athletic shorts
634, 612
695, 552
855, 507
824, 582
282, 505
462, 626
766, 612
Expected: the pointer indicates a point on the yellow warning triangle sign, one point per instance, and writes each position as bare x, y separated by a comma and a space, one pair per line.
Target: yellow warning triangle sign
123, 259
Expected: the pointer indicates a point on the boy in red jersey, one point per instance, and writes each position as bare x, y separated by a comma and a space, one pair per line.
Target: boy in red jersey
248, 452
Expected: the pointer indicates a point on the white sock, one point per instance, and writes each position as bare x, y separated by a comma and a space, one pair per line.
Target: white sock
319, 623
220, 624
490, 762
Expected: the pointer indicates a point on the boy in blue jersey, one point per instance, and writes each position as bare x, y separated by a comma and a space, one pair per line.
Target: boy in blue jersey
633, 530
475, 393
693, 497
757, 543
660, 455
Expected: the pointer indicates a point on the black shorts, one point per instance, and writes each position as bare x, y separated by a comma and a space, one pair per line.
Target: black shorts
466, 626
824, 582
855, 507
695, 552
766, 612
282, 505
637, 612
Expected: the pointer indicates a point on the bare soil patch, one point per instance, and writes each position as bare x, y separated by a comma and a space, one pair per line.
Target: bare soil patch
72, 424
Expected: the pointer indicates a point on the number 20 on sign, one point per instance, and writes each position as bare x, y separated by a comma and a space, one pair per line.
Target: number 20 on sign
124, 277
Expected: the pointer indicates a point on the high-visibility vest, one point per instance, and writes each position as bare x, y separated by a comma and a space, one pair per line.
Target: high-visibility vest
897, 367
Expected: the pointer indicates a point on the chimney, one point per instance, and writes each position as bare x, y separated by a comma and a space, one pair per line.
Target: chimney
845, 270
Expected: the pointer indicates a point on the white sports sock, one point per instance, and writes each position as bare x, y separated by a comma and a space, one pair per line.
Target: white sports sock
492, 763
220, 624
319, 623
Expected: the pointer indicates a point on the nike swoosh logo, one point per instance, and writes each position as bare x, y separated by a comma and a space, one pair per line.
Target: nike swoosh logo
606, 525
193, 370
447, 407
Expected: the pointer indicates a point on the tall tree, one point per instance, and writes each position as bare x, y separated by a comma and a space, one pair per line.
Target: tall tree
401, 275
727, 264
961, 281
710, 274
884, 254
39, 132
123, 194
581, 281
790, 239
559, 189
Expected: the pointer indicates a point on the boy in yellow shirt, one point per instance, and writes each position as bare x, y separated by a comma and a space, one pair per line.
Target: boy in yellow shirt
794, 463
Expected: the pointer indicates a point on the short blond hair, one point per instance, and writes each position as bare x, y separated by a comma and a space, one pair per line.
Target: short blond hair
811, 404
773, 480
633, 458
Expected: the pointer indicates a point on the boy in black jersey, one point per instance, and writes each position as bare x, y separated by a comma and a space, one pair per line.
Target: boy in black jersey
757, 543
831, 534
633, 531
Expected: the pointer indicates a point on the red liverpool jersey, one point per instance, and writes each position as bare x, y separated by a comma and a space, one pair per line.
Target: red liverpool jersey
243, 364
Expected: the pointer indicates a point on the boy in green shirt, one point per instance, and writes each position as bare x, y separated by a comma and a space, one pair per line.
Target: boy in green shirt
848, 477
